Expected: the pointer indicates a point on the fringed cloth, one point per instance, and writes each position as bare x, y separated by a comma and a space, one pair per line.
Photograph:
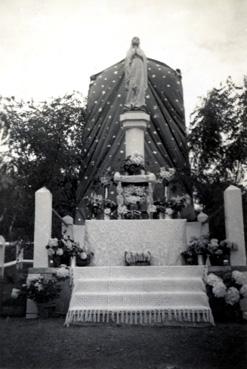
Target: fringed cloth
139, 296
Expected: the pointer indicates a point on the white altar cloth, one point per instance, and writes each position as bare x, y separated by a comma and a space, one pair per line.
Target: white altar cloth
109, 239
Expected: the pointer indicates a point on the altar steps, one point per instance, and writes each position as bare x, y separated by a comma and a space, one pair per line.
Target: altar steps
139, 295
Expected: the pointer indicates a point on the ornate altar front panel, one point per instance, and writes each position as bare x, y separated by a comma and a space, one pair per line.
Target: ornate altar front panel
165, 239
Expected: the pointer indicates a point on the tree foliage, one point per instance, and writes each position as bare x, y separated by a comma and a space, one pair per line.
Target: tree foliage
218, 147
44, 149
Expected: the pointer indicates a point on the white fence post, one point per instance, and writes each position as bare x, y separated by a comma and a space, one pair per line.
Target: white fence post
67, 230
42, 226
2, 255
234, 223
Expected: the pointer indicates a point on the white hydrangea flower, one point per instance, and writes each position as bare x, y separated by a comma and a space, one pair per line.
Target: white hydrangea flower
243, 290
137, 159
239, 277
212, 279
62, 272
53, 242
33, 278
59, 252
232, 296
219, 289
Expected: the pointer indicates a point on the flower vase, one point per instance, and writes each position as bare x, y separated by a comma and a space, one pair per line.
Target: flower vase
161, 215
107, 214
208, 263
73, 261
200, 259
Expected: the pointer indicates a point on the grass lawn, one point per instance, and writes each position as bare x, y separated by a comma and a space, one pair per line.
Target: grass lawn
47, 344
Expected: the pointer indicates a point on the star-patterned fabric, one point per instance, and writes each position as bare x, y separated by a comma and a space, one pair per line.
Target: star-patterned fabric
165, 137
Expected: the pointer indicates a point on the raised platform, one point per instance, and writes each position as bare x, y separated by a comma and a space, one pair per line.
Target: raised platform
139, 295
165, 239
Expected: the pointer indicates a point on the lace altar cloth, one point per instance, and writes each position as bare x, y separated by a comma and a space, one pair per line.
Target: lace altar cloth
139, 295
165, 239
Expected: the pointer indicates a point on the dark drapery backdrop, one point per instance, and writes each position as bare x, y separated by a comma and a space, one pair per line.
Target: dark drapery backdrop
165, 138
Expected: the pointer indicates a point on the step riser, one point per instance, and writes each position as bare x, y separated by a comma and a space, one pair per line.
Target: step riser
139, 285
138, 272
160, 300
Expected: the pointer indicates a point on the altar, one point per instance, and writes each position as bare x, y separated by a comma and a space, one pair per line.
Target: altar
109, 240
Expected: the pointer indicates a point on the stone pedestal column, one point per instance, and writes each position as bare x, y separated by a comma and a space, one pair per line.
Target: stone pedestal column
134, 123
234, 223
42, 226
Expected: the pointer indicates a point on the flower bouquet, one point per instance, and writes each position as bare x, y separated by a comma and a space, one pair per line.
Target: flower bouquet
94, 204
196, 250
56, 254
109, 208
134, 164
41, 289
62, 251
220, 252
166, 175
177, 203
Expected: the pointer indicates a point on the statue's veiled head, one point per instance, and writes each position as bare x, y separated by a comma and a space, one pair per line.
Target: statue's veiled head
135, 42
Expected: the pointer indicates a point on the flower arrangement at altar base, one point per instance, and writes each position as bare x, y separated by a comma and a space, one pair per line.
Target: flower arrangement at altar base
42, 289
217, 252
134, 164
61, 251
171, 207
196, 246
225, 293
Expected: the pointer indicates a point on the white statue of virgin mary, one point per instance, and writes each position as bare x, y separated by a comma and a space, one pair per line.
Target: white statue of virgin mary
135, 76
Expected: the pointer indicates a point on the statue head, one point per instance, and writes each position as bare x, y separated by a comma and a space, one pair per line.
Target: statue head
135, 42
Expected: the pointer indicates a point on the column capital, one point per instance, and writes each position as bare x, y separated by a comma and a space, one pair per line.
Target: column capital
134, 116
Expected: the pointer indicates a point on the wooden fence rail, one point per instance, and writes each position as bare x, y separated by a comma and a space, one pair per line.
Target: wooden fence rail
19, 254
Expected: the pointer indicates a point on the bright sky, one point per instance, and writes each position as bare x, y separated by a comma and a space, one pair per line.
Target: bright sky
50, 47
